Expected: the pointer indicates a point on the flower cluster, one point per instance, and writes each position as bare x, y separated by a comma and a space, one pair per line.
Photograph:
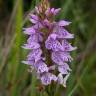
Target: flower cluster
49, 47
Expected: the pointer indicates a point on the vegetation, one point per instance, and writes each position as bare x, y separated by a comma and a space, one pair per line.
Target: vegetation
15, 80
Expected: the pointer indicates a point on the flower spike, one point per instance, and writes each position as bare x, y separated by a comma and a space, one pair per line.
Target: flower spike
48, 45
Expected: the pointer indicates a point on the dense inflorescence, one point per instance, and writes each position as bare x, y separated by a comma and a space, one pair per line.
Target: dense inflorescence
49, 47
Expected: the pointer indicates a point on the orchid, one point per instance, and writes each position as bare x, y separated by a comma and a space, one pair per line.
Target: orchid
48, 45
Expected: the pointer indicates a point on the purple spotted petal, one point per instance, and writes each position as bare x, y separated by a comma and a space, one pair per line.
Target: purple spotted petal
31, 46
34, 18
50, 41
61, 57
35, 38
53, 44
33, 21
29, 30
63, 23
48, 44
53, 36
32, 38
56, 58
63, 69
47, 78
56, 46
66, 56
36, 54
29, 62
38, 25
41, 67
67, 46
56, 11
62, 33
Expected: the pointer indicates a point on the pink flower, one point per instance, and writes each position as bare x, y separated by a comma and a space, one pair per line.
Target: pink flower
48, 41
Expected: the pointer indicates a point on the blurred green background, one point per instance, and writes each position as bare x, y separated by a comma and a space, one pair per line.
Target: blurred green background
15, 80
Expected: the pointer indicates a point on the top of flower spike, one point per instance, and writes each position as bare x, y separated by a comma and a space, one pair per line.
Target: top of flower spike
48, 36
44, 10
42, 7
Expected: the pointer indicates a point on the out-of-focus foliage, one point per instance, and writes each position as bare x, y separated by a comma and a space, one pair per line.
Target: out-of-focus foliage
14, 78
